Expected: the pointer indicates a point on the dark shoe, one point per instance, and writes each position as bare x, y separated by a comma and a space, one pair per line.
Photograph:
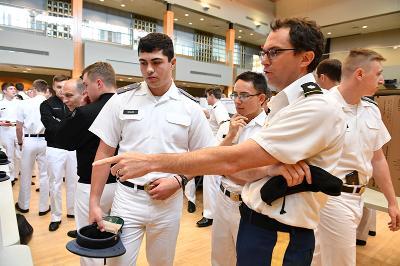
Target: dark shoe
32, 183
19, 209
53, 226
70, 216
204, 222
372, 233
13, 183
45, 212
361, 242
38, 190
72, 233
191, 207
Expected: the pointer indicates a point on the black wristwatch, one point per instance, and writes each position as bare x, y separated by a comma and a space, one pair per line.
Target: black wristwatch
184, 181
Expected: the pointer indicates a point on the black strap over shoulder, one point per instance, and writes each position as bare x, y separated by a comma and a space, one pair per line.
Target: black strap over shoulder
367, 99
191, 97
311, 88
133, 86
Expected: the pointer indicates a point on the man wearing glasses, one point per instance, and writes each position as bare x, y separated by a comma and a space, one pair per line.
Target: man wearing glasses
303, 125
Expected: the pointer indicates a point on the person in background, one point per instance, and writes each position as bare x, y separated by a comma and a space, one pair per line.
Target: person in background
329, 72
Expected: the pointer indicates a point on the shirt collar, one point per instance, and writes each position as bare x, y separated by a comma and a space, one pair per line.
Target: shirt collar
294, 90
172, 92
259, 119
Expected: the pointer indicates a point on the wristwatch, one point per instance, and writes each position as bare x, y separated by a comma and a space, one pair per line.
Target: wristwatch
184, 181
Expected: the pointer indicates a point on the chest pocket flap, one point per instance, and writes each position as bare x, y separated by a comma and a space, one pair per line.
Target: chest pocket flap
178, 119
372, 124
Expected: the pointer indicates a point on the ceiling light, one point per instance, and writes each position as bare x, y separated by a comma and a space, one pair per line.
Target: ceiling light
365, 26
201, 19
129, 78
25, 71
190, 23
101, 0
329, 33
120, 79
122, 5
240, 30
12, 51
28, 69
175, 19
240, 37
251, 34
186, 15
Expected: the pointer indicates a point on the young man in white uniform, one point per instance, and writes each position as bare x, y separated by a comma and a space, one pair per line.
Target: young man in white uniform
362, 158
8, 118
218, 116
249, 94
30, 135
295, 131
152, 117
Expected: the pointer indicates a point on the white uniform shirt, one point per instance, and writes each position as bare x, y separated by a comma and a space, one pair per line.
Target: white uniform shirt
365, 134
8, 112
243, 134
23, 95
299, 128
137, 121
218, 114
29, 114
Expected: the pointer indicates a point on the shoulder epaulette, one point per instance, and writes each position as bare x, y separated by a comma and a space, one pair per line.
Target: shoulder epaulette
185, 93
311, 88
133, 86
364, 98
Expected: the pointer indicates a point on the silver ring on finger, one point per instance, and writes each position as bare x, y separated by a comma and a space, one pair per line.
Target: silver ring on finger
118, 174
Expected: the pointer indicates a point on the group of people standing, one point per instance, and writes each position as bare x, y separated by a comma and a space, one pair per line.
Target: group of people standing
148, 140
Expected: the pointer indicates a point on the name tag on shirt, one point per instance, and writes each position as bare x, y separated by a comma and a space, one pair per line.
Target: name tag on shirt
130, 112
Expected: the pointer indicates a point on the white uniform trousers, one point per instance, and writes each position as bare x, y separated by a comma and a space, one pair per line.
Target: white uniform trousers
335, 236
159, 219
81, 210
210, 191
9, 140
224, 231
34, 148
190, 190
61, 163
367, 223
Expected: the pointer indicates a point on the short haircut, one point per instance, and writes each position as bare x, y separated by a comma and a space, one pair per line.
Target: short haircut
305, 35
360, 58
217, 92
331, 68
157, 42
5, 85
258, 80
59, 78
78, 83
40, 85
19, 86
103, 71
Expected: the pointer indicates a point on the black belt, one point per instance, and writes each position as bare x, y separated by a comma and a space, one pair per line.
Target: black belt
353, 190
34, 135
266, 222
232, 195
146, 187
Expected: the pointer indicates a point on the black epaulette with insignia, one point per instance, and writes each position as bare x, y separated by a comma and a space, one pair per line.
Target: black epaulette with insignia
185, 93
133, 86
364, 98
311, 88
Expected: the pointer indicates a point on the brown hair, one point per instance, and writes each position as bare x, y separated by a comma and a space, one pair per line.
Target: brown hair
359, 58
40, 85
331, 68
59, 78
101, 70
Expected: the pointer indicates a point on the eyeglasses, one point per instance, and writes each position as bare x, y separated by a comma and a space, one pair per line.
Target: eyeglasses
272, 53
243, 96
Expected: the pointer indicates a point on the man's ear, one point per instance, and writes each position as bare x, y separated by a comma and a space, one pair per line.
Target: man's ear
359, 73
307, 58
173, 63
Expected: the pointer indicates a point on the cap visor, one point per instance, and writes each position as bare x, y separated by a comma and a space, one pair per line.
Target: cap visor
114, 251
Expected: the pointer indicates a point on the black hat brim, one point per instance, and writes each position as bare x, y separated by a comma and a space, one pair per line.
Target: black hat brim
114, 251
4, 162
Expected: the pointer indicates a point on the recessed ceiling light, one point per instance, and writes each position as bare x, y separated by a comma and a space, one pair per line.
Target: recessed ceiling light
186, 15
190, 23
251, 34
129, 78
329, 33
12, 51
240, 30
120, 79
240, 37
201, 19
101, 0
365, 26
29, 69
122, 5
175, 19
25, 71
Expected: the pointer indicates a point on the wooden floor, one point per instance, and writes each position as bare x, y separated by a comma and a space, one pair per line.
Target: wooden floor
194, 244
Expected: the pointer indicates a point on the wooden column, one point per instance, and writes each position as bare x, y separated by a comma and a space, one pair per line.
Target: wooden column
77, 7
229, 50
168, 22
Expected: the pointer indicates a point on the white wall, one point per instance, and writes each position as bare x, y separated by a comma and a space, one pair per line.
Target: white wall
382, 42
38, 50
200, 72
124, 60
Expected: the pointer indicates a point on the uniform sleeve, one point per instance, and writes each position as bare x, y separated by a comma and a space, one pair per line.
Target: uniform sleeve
383, 134
107, 125
301, 132
200, 134
51, 124
20, 113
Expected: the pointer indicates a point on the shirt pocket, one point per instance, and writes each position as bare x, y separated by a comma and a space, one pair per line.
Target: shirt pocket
177, 128
370, 136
